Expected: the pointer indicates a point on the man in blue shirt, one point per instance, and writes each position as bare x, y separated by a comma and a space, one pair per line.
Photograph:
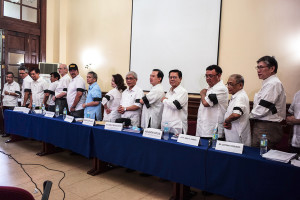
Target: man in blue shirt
92, 105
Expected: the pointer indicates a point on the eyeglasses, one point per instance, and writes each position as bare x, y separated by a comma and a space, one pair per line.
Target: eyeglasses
210, 75
173, 77
21, 73
129, 78
231, 84
59, 68
260, 67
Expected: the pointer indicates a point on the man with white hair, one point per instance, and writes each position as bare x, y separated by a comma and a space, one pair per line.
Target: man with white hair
130, 106
61, 89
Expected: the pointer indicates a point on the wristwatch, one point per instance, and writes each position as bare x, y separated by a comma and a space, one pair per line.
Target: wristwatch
125, 109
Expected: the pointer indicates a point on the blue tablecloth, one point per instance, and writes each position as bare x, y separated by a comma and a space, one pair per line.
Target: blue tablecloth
247, 176
73, 136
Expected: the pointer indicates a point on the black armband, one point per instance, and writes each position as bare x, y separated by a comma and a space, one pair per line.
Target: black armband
46, 91
137, 101
51, 92
107, 97
239, 109
213, 98
146, 101
80, 90
27, 90
177, 104
97, 99
269, 105
65, 89
18, 92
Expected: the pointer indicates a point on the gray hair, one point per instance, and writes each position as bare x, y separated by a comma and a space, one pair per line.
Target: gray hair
133, 74
24, 69
93, 74
238, 78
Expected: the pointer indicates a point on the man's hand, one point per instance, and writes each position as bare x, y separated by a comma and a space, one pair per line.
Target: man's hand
72, 109
121, 109
162, 99
291, 120
53, 98
30, 106
141, 101
108, 111
6, 93
227, 125
84, 105
203, 92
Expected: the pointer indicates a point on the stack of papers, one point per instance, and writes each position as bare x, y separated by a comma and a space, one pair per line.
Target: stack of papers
279, 156
295, 162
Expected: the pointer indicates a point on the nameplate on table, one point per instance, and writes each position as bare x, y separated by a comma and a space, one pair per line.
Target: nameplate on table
152, 133
88, 121
49, 114
22, 109
113, 126
230, 147
188, 139
69, 118
38, 112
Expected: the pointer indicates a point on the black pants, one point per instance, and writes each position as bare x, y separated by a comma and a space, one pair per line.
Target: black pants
62, 103
2, 128
51, 108
78, 113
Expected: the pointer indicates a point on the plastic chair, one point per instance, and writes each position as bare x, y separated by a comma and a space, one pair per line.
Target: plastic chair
13, 193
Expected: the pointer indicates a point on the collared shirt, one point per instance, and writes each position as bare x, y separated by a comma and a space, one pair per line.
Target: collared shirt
26, 87
129, 98
175, 110
51, 91
94, 94
76, 84
295, 110
112, 100
37, 89
208, 117
153, 107
270, 102
63, 84
9, 100
240, 128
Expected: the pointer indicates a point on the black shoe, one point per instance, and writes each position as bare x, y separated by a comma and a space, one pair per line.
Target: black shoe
5, 135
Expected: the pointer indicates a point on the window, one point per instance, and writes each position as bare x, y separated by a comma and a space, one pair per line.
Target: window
25, 10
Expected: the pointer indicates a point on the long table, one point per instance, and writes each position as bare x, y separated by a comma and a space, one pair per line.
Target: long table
247, 176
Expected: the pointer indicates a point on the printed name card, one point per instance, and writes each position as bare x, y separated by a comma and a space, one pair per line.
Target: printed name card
69, 119
230, 147
152, 133
189, 139
22, 109
38, 112
113, 126
18, 109
88, 121
49, 114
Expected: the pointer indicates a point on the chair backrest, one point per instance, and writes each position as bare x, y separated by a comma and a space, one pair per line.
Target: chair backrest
13, 193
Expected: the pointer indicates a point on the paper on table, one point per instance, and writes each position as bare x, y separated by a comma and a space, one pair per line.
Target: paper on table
295, 162
279, 156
